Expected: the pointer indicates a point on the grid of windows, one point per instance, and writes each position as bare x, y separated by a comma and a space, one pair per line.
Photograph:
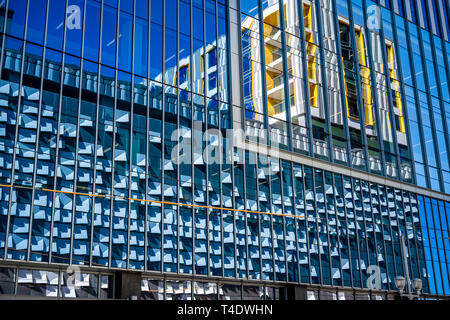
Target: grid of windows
355, 90
98, 98
167, 289
55, 284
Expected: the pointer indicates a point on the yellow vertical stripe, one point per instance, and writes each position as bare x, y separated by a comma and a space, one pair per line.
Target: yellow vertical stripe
396, 85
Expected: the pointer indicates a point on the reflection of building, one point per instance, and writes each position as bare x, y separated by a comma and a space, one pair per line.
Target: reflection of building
87, 176
206, 83
296, 81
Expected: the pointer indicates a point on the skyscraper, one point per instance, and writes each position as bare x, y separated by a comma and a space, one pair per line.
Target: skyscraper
202, 149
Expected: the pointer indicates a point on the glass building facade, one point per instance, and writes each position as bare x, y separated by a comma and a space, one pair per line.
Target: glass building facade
138, 136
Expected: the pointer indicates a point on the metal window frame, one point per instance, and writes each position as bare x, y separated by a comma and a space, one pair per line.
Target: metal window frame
433, 129
305, 84
403, 97
341, 83
439, 89
362, 114
287, 96
36, 150
324, 85
425, 226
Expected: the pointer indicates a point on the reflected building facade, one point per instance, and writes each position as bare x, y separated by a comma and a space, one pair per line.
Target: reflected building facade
101, 100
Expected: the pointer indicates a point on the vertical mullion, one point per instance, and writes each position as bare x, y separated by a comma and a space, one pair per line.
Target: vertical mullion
244, 178
425, 225
306, 85
228, 47
389, 96
77, 136
285, 76
130, 169
228, 10
256, 158
96, 132
432, 119
205, 98
407, 242
316, 218
269, 162
379, 194
362, 112
284, 212
114, 129
403, 252
58, 135
234, 215
430, 106
191, 55
294, 205
439, 238
306, 219
344, 200
333, 179
442, 107
375, 108
328, 226
262, 62
163, 130
421, 264
358, 248
36, 152
323, 62
219, 75
402, 94
396, 271
433, 229
366, 233
445, 55
341, 84
236, 149
417, 105
147, 138
18, 114
164, 281
442, 217
99, 283
416, 238
178, 217
60, 278
375, 231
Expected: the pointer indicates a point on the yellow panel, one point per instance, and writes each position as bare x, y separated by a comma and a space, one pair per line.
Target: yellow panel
270, 106
273, 19
345, 84
307, 16
393, 77
310, 56
365, 76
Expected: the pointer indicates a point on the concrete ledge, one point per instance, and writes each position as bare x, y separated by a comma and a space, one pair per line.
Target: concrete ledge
351, 172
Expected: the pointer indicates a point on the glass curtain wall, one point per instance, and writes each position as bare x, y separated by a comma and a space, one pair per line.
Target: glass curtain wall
103, 128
